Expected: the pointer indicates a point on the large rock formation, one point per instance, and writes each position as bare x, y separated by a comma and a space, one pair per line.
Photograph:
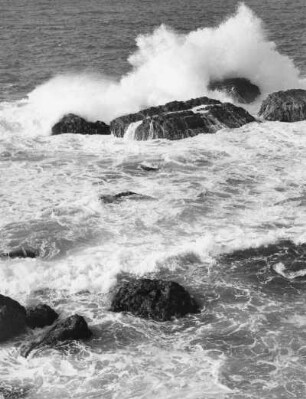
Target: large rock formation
284, 106
75, 124
180, 119
72, 328
239, 89
153, 299
12, 318
40, 316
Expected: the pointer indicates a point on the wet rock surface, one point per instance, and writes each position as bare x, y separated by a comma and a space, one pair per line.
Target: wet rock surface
285, 106
40, 316
239, 89
75, 124
109, 199
20, 252
12, 318
278, 268
180, 119
69, 329
154, 299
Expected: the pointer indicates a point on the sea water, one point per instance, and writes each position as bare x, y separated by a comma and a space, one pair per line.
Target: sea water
210, 195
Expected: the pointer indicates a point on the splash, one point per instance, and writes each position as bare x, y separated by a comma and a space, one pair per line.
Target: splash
166, 66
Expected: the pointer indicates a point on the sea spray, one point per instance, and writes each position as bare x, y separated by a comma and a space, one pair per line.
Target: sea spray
166, 66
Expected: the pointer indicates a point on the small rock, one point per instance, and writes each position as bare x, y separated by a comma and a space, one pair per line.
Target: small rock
154, 299
108, 199
75, 124
21, 252
239, 89
40, 316
72, 328
12, 318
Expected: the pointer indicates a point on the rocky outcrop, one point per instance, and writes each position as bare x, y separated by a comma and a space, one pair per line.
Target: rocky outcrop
40, 316
20, 252
239, 89
284, 106
72, 328
12, 318
180, 119
154, 299
75, 124
109, 199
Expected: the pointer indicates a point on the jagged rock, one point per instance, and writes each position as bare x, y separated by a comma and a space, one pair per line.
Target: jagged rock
40, 316
12, 318
72, 328
75, 124
180, 119
154, 299
9, 392
109, 199
20, 252
239, 89
284, 106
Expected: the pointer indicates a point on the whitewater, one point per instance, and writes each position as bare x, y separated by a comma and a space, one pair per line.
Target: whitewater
209, 195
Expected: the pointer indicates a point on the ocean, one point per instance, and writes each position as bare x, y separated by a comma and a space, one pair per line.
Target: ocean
211, 195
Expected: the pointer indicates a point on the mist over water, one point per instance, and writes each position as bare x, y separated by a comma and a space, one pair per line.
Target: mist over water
209, 195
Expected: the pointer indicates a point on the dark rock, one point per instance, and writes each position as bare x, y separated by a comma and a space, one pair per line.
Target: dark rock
72, 328
285, 106
12, 318
21, 252
239, 89
40, 316
108, 199
154, 299
75, 124
180, 119
9, 392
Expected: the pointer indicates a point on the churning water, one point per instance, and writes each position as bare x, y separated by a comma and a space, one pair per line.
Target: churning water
211, 194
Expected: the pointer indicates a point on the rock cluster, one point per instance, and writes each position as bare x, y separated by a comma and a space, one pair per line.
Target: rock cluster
180, 119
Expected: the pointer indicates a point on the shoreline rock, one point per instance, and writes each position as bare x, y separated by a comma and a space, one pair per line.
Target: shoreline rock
154, 299
284, 106
239, 89
71, 123
180, 119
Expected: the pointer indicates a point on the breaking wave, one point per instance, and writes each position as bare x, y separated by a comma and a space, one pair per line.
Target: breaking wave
166, 66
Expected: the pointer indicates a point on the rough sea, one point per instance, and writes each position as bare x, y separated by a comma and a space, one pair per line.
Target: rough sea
211, 194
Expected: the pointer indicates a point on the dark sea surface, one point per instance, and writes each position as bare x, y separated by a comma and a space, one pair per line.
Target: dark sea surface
211, 195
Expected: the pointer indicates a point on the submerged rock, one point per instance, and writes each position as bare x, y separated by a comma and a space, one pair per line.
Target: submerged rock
239, 89
72, 328
154, 299
12, 318
108, 199
20, 252
284, 106
75, 124
180, 119
40, 316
